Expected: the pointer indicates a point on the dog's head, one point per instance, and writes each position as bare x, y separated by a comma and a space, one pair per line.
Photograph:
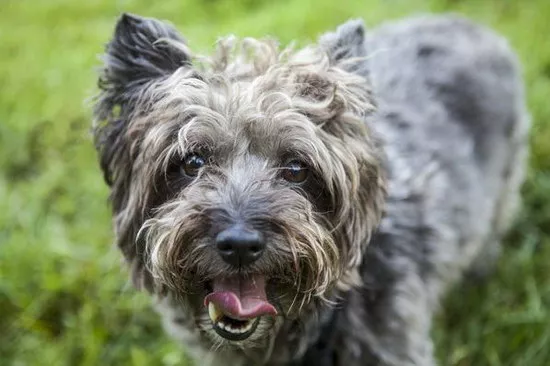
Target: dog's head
246, 184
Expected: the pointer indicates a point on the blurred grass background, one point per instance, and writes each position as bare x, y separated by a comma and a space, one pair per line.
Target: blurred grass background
65, 299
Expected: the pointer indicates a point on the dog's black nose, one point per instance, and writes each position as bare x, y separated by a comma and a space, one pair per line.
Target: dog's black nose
240, 246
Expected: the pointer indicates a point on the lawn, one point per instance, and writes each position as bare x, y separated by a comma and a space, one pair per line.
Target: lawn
64, 296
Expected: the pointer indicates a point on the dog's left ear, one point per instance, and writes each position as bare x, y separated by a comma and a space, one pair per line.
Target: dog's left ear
142, 51
347, 43
359, 189
346, 51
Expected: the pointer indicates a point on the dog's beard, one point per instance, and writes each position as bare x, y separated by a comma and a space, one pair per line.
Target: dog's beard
241, 307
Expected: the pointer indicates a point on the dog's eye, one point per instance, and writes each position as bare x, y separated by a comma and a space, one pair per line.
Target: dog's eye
295, 172
192, 164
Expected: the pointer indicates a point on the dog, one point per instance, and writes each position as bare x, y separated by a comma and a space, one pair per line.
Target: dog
310, 206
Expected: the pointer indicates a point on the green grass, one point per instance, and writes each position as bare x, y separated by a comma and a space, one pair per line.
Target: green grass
64, 297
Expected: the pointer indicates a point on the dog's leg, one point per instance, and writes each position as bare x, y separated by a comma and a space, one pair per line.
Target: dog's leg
396, 309
407, 322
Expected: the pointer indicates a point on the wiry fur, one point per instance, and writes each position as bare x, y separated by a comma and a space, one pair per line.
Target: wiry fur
448, 133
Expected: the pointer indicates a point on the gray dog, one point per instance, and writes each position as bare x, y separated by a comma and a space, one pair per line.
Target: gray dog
312, 206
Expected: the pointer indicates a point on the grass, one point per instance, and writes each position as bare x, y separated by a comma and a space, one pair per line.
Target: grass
64, 297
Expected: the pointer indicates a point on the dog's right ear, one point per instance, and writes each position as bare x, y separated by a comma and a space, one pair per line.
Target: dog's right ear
139, 52
142, 51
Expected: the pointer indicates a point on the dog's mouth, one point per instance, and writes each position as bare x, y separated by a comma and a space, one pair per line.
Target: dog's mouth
236, 304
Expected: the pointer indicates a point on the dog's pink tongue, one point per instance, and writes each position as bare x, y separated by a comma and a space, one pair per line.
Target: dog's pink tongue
240, 297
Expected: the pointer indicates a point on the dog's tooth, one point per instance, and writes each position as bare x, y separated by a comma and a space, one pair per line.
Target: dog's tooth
247, 327
229, 327
213, 312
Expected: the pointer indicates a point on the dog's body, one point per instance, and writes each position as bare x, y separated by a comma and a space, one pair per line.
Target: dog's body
443, 153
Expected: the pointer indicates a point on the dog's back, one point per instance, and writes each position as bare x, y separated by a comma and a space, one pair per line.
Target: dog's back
453, 123
451, 101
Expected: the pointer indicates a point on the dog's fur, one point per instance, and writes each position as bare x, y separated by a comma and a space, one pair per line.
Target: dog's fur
414, 137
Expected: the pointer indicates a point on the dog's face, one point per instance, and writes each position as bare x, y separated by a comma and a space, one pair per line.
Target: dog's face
247, 185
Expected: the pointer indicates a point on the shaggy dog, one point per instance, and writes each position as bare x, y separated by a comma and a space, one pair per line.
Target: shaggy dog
312, 206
